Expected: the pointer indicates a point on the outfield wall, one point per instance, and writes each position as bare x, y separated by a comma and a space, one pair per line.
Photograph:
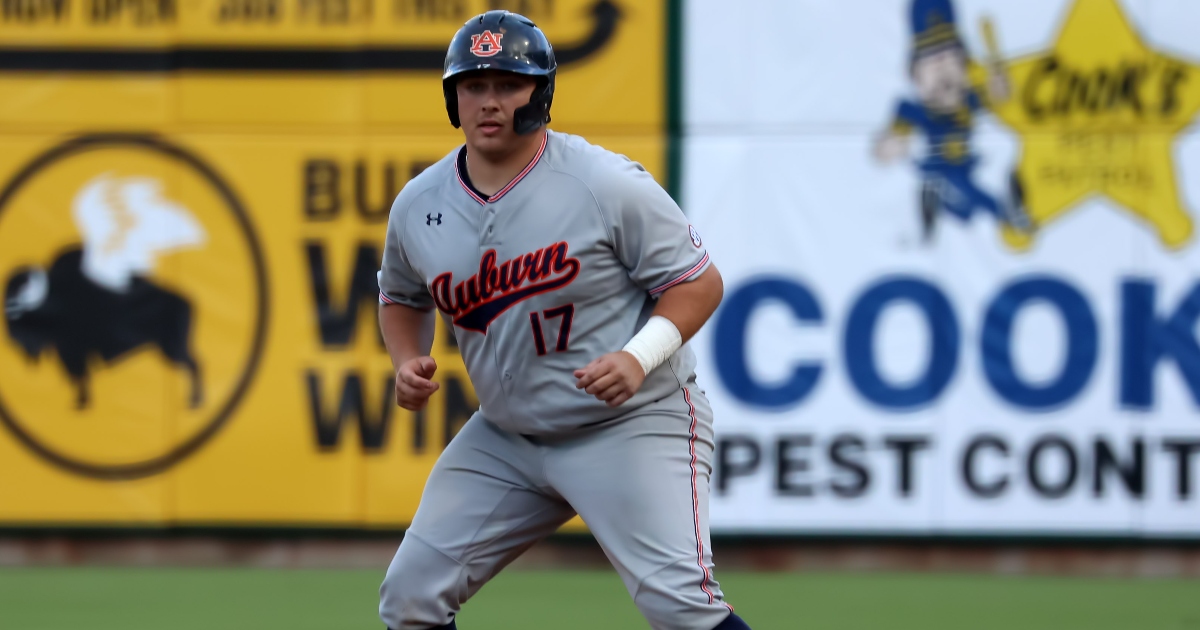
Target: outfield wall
993, 333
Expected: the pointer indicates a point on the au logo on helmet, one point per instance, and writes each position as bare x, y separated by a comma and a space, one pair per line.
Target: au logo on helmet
486, 44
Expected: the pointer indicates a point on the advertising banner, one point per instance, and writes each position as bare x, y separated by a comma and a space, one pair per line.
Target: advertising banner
193, 200
320, 64
960, 258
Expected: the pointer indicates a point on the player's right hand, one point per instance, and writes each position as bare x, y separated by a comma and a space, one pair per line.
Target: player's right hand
413, 384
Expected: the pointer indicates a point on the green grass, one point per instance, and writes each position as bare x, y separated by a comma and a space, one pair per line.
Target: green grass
234, 599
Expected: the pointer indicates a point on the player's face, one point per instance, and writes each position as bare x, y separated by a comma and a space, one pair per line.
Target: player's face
486, 103
941, 78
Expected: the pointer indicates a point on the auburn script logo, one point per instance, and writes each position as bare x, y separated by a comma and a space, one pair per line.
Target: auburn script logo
477, 301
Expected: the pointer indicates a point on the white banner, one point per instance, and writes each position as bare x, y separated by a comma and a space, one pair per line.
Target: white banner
962, 273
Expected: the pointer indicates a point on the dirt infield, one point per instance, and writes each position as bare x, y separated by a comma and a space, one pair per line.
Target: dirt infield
1113, 559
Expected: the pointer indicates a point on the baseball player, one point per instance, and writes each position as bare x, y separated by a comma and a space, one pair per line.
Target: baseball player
571, 281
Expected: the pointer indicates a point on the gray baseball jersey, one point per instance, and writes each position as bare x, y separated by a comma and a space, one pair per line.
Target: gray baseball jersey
558, 268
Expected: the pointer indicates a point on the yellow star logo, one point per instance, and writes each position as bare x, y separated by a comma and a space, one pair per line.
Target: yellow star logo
1098, 114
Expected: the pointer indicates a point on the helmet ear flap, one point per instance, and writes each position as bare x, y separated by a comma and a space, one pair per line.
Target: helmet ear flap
529, 117
450, 91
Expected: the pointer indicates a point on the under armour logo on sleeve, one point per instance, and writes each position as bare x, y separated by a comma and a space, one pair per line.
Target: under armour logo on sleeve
430, 219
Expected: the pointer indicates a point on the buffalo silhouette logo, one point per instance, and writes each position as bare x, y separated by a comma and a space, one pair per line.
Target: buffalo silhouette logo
95, 300
135, 301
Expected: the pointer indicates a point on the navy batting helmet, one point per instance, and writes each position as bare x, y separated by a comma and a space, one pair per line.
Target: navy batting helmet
500, 40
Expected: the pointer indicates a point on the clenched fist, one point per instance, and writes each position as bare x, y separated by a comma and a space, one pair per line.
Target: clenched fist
413, 384
613, 378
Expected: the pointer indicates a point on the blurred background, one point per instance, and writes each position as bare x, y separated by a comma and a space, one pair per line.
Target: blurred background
956, 372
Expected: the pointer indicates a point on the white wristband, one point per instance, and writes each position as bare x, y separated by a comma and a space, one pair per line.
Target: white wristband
654, 343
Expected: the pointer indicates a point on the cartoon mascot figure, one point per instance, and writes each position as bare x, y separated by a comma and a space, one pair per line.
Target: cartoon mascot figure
944, 110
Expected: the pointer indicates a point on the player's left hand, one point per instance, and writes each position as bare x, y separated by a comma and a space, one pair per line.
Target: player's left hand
613, 378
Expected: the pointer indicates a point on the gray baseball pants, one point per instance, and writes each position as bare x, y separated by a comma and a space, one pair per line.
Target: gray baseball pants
640, 483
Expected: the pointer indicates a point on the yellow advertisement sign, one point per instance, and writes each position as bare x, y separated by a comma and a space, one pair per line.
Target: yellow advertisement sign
1098, 113
309, 62
193, 200
191, 336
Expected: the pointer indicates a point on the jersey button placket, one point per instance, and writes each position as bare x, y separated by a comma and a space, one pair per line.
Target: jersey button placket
488, 226
486, 229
